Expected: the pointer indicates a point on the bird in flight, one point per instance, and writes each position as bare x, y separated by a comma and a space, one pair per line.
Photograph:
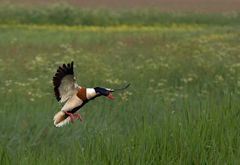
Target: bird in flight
74, 96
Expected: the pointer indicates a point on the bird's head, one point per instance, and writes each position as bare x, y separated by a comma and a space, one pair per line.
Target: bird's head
104, 92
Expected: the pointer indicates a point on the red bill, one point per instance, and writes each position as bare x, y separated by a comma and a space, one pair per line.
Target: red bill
110, 96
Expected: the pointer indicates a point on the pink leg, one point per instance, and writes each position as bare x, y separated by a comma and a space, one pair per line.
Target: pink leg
78, 116
71, 116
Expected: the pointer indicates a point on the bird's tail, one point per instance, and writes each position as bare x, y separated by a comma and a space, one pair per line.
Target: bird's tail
60, 119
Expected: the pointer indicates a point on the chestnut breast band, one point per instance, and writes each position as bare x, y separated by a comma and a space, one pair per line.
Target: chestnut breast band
82, 94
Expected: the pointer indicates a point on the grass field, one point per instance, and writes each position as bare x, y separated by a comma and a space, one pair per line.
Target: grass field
163, 5
182, 106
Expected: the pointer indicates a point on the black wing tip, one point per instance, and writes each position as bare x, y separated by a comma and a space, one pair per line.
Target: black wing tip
57, 94
62, 71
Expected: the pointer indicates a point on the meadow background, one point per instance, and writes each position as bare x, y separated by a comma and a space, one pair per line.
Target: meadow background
184, 68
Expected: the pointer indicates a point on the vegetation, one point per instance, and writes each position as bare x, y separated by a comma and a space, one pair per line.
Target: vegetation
68, 15
182, 106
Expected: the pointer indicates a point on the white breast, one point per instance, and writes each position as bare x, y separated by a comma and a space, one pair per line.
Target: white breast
72, 103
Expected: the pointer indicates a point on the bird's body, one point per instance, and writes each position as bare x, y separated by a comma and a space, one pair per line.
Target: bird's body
73, 104
73, 95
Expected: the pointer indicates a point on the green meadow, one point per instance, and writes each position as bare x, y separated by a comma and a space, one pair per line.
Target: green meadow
182, 106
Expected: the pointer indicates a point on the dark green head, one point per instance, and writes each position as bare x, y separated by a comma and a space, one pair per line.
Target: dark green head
104, 92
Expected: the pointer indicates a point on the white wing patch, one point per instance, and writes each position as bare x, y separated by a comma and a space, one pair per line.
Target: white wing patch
68, 88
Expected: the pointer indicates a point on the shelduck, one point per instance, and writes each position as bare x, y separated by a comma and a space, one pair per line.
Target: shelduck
74, 96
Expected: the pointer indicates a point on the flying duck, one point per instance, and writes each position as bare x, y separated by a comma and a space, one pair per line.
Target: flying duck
74, 96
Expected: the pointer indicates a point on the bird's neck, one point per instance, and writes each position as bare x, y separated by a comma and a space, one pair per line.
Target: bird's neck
91, 93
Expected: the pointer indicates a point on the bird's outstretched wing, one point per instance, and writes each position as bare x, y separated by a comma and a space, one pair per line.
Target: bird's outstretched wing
64, 83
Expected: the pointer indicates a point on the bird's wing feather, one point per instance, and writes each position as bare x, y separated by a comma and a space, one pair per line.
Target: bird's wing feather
65, 85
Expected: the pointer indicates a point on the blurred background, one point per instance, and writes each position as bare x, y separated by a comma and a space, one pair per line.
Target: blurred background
164, 5
182, 58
